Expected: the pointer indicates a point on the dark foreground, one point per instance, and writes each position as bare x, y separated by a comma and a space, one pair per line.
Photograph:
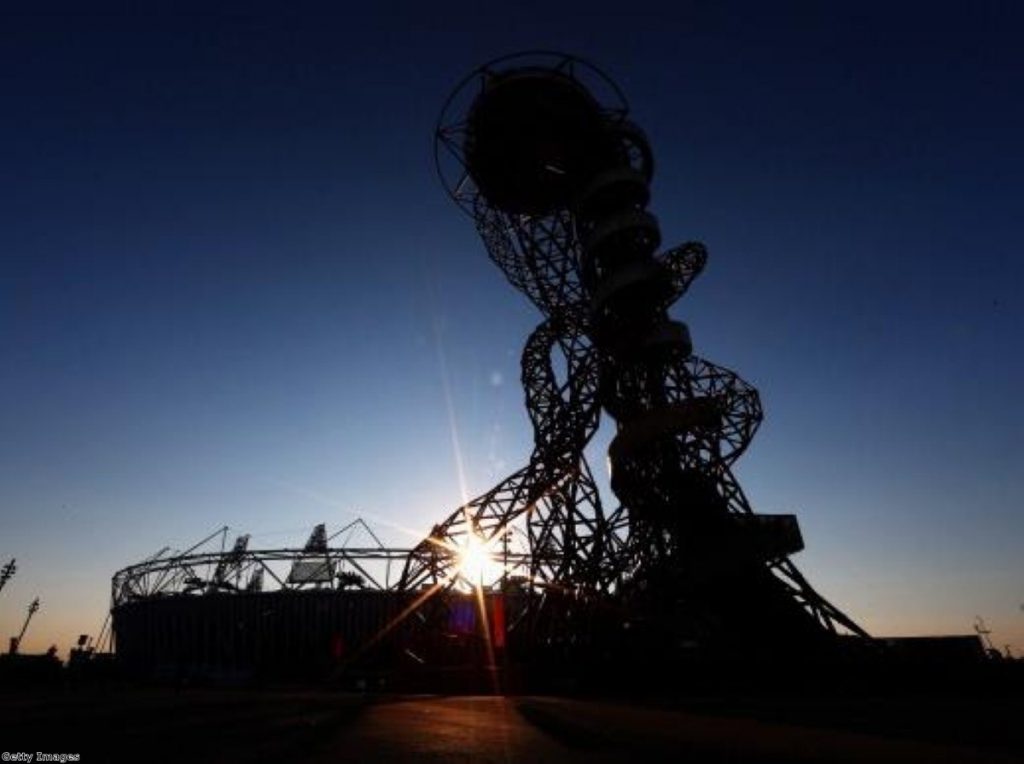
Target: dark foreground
312, 726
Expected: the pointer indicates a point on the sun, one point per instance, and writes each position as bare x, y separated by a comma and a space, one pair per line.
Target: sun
476, 561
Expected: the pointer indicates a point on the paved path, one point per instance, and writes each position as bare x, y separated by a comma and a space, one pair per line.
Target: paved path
488, 729
319, 727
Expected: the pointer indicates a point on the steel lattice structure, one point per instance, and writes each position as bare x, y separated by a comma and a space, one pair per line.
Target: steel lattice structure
204, 569
538, 149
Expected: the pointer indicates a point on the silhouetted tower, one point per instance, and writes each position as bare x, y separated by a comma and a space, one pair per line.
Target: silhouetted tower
539, 150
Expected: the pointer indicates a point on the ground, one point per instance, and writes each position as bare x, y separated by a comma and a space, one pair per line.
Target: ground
206, 725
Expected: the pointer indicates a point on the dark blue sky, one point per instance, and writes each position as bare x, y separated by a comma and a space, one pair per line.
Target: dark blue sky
232, 288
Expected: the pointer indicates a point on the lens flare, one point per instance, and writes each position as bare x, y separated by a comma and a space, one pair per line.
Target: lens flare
476, 561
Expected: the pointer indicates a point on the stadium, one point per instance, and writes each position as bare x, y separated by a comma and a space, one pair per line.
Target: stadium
333, 609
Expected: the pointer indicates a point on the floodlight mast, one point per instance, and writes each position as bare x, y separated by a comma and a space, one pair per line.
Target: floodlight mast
539, 150
33, 608
7, 572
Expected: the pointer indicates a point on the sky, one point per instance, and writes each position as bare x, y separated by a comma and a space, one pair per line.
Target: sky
233, 291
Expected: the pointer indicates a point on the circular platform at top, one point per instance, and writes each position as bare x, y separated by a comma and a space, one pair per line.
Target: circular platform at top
534, 138
524, 134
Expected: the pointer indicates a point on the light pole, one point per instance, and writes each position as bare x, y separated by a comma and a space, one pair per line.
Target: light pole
32, 609
7, 572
